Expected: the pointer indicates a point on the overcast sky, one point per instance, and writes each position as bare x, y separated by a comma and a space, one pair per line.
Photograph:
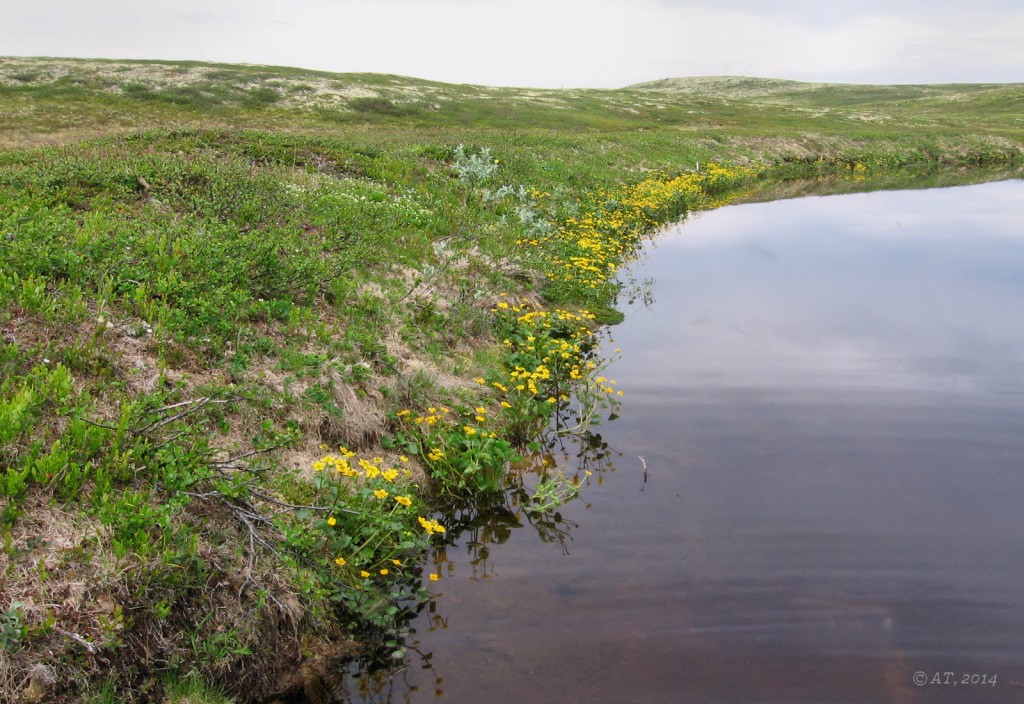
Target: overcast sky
546, 43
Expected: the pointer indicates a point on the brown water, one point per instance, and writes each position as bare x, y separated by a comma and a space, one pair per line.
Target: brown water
828, 397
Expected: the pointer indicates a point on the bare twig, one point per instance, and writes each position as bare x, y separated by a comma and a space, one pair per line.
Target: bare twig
299, 507
194, 406
79, 639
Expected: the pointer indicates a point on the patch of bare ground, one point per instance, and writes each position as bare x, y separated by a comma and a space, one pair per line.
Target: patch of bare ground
96, 614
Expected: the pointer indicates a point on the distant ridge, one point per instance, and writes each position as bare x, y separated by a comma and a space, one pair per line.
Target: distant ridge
67, 99
745, 87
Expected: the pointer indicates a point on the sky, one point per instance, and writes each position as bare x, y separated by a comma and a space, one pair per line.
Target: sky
546, 43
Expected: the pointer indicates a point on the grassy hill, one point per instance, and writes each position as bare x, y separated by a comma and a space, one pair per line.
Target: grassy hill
982, 106
55, 99
259, 325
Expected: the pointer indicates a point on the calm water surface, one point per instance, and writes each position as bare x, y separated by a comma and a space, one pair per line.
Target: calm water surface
828, 396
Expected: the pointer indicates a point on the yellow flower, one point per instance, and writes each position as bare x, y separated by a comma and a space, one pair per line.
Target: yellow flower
403, 458
430, 526
397, 563
384, 571
434, 576
371, 469
331, 521
381, 493
364, 574
469, 430
403, 500
389, 474
340, 561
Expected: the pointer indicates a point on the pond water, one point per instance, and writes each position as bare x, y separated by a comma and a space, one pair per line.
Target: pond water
816, 492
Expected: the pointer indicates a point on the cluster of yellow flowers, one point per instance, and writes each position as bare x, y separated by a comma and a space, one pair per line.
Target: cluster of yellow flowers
368, 469
431, 526
550, 360
446, 417
586, 250
368, 496
553, 344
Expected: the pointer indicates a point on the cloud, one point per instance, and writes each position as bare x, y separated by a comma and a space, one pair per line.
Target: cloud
545, 43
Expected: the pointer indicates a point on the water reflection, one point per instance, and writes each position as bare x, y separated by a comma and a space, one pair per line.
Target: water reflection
818, 481
907, 289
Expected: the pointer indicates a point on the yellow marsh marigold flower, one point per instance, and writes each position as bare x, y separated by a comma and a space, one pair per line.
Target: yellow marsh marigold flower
340, 561
319, 465
389, 474
381, 493
403, 500
371, 469
430, 526
469, 430
434, 576
384, 571
364, 574
403, 458
332, 521
397, 563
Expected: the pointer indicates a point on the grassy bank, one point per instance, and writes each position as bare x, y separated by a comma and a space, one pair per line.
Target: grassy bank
241, 366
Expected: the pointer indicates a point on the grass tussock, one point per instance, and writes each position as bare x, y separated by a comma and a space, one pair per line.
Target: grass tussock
240, 368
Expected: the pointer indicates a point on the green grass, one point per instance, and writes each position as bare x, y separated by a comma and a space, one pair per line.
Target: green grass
112, 95
212, 276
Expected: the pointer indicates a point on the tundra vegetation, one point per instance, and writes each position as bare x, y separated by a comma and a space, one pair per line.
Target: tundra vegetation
258, 322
